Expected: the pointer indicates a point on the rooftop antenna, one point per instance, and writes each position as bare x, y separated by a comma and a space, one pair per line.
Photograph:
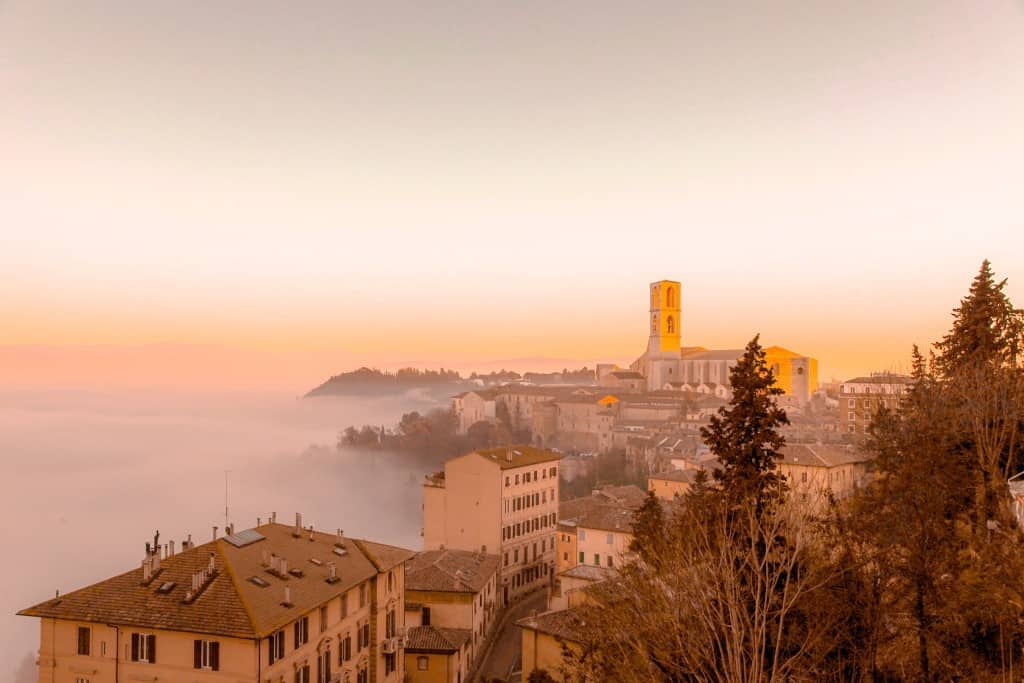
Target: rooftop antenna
226, 498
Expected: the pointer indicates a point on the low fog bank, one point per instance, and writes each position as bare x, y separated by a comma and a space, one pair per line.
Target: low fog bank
89, 476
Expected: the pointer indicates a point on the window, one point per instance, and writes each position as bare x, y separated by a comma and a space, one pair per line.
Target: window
366, 634
506, 558
84, 640
610, 563
507, 481
275, 646
852, 416
323, 618
851, 429
582, 560
206, 655
517, 480
143, 648
362, 595
301, 632
391, 582
670, 325
803, 476
582, 534
422, 663
553, 471
344, 605
425, 616
389, 624
344, 649
302, 674
515, 555
565, 557
852, 403
363, 676
389, 663
323, 667
597, 560
608, 539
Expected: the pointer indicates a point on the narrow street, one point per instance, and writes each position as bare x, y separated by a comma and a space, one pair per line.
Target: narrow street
509, 641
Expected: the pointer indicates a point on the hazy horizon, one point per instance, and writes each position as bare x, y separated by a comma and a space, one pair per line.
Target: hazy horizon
455, 183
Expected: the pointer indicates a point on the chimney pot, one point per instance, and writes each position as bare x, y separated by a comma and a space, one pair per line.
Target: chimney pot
215, 533
170, 548
287, 595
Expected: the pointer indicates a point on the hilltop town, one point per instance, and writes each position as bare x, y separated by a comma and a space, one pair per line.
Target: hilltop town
750, 471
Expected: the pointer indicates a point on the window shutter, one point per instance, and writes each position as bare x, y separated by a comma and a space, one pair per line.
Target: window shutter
298, 676
280, 644
135, 647
151, 642
327, 666
215, 656
296, 630
197, 654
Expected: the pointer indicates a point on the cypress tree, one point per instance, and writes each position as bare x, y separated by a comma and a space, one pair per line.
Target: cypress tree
744, 434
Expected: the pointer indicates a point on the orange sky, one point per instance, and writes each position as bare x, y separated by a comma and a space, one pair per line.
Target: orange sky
197, 193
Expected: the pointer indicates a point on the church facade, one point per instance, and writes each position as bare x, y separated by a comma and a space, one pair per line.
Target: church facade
668, 364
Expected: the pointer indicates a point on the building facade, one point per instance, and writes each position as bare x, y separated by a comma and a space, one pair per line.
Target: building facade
274, 604
502, 501
861, 397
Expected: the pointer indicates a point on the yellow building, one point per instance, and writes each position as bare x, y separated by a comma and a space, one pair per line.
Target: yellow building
273, 604
670, 484
544, 637
451, 589
435, 654
502, 501
813, 471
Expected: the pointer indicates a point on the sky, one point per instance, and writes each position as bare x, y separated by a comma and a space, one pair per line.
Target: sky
241, 193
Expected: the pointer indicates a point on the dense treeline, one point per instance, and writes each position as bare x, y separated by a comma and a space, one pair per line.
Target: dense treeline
431, 434
918, 577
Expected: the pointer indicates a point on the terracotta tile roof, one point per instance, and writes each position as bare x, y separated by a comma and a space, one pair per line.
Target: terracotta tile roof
818, 455
882, 379
565, 624
715, 354
608, 509
437, 639
384, 557
520, 456
688, 476
230, 605
588, 572
455, 571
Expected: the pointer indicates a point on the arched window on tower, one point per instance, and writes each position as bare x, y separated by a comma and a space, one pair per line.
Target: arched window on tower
670, 324
654, 323
670, 297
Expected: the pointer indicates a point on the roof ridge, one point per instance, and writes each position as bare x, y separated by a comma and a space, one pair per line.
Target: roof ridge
230, 570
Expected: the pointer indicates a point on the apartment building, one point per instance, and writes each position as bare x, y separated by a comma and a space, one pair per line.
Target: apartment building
596, 530
502, 501
861, 397
273, 604
450, 603
669, 485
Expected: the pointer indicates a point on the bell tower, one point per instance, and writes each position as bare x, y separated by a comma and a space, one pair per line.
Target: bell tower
665, 319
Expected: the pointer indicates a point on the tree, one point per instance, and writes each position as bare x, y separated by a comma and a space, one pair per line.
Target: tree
986, 327
744, 434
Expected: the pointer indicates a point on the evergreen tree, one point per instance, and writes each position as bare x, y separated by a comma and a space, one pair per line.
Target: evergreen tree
649, 531
986, 327
744, 435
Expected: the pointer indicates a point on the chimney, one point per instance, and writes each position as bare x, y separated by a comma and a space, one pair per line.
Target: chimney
273, 518
154, 562
287, 596
259, 522
170, 548
332, 572
282, 565
147, 570
339, 541
215, 533
211, 565
311, 532
508, 455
